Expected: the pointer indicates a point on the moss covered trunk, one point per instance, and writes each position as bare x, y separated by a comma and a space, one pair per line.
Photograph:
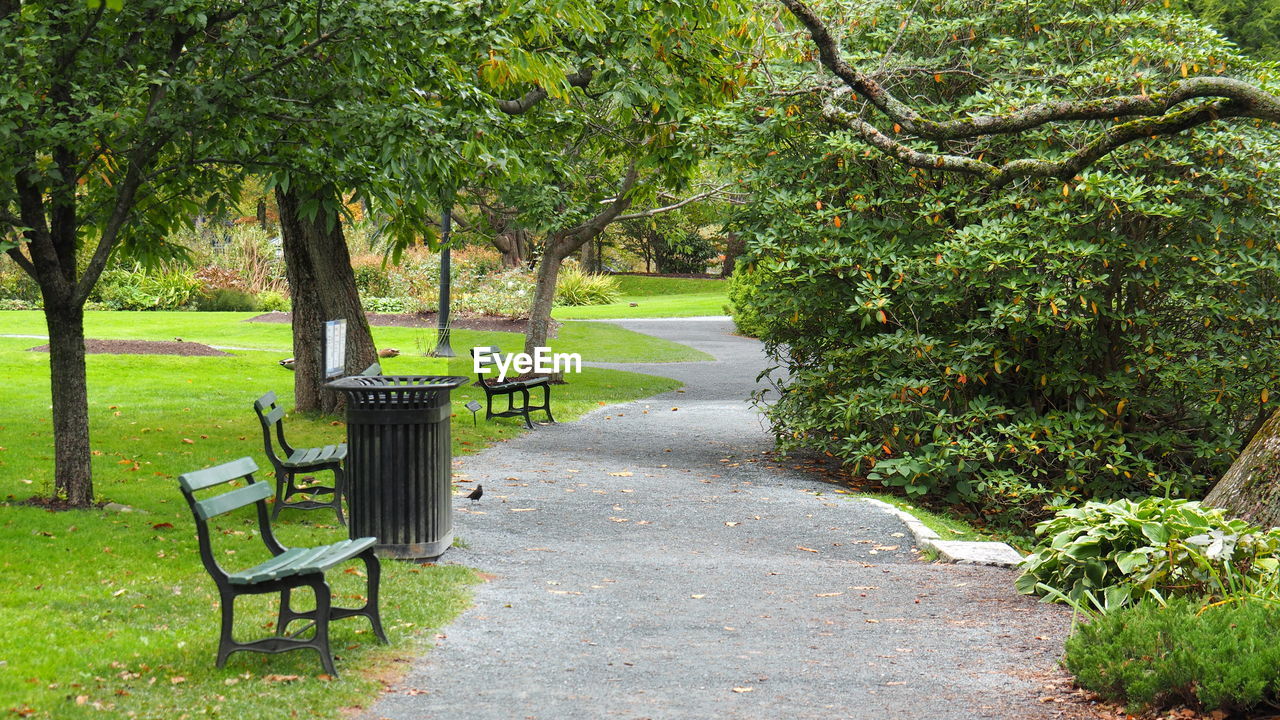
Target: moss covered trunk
1251, 487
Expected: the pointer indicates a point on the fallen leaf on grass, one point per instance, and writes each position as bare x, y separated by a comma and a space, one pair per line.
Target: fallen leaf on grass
177, 679
189, 441
280, 678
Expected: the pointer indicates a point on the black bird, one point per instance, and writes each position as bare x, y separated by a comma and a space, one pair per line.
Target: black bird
475, 495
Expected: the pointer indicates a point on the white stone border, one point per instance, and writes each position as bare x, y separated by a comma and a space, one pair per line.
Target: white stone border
953, 551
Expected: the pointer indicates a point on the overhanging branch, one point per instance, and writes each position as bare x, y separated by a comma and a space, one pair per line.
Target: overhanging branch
526, 102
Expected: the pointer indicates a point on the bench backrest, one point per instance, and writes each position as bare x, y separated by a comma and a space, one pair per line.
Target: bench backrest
269, 415
373, 370
486, 358
213, 506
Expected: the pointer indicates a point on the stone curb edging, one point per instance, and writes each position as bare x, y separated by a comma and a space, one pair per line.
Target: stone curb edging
952, 551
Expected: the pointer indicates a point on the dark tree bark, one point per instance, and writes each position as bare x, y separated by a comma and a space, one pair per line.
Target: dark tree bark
323, 287
73, 476
508, 237
1251, 487
733, 247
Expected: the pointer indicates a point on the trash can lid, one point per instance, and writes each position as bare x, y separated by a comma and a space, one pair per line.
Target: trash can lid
361, 384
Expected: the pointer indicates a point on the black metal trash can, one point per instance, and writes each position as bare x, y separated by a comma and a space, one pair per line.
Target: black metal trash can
399, 461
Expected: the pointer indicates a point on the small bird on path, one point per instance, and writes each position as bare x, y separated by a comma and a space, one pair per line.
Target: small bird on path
475, 495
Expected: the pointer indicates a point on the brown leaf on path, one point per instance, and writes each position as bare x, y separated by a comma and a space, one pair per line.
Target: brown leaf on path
624, 473
801, 547
732, 524
832, 594
743, 689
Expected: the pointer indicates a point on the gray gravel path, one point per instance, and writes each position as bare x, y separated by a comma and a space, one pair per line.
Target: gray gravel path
650, 562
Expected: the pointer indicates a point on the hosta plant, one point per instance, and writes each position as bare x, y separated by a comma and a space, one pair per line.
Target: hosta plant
1110, 554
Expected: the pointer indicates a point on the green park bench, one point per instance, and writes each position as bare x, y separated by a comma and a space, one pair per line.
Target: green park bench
488, 357
288, 568
292, 462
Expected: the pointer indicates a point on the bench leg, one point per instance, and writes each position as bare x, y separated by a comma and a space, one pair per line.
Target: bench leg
524, 409
226, 643
283, 481
339, 490
373, 572
321, 641
546, 401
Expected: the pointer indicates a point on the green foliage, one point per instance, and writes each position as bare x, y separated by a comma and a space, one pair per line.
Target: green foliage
1121, 552
390, 305
1111, 335
745, 304
1209, 658
133, 287
16, 284
273, 301
372, 278
576, 287
1252, 24
227, 300
505, 294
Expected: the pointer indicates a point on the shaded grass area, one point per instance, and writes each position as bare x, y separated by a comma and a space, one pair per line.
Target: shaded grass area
112, 615
656, 297
596, 342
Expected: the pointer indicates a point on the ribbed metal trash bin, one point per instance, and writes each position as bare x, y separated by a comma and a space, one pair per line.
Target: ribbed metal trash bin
399, 461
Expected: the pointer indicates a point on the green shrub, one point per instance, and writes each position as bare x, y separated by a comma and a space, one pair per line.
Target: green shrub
227, 300
575, 287
504, 294
1028, 348
133, 287
13, 304
372, 278
1207, 657
16, 284
273, 301
749, 315
390, 304
1123, 551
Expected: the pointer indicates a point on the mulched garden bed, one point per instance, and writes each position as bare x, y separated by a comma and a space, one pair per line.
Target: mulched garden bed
144, 347
458, 321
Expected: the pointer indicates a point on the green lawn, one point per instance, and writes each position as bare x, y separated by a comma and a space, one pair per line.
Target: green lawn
111, 614
600, 342
656, 297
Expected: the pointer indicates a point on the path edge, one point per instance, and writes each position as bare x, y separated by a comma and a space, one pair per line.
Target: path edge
953, 551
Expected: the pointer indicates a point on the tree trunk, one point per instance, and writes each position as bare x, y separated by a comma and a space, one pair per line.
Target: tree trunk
1250, 489
323, 287
733, 247
544, 295
73, 475
590, 258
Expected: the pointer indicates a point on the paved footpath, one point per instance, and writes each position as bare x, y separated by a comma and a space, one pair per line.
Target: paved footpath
650, 562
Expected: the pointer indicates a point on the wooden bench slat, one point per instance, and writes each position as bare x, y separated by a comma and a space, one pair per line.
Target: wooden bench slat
265, 401
299, 561
208, 477
266, 570
237, 498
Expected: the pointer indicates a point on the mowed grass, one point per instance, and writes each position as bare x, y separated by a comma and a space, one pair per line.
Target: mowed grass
594, 341
111, 614
656, 297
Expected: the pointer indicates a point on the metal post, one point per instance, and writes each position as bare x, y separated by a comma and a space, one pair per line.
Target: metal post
442, 332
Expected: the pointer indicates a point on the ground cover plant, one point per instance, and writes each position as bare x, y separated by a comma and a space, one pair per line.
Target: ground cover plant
112, 612
1108, 555
656, 297
1112, 333
1209, 657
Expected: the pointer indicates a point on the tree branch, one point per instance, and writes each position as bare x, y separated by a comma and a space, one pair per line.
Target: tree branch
526, 102
674, 206
1246, 100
